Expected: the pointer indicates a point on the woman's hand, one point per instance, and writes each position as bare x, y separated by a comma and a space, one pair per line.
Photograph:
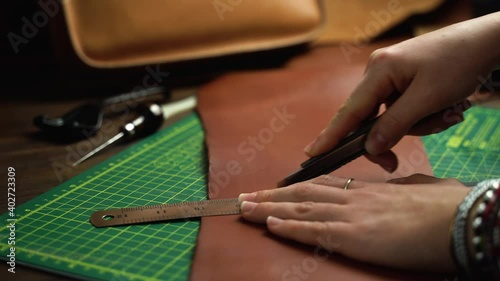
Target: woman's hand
423, 82
403, 224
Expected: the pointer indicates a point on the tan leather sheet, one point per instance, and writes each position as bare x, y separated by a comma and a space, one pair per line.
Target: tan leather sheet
257, 124
359, 21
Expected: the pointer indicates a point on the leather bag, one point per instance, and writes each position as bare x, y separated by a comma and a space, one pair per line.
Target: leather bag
121, 33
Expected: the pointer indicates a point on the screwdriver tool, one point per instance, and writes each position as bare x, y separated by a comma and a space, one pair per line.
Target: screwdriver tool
85, 120
150, 118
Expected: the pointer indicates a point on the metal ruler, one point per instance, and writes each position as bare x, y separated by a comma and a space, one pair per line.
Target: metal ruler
165, 212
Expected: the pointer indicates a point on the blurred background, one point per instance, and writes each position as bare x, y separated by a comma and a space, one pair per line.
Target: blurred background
45, 66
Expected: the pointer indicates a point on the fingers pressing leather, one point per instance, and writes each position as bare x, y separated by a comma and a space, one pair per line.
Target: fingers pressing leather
338, 182
328, 235
311, 211
321, 189
297, 193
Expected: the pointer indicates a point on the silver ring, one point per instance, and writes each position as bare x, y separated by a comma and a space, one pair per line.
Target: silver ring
346, 185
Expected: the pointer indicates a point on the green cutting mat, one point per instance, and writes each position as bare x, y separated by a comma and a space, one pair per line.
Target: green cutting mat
53, 231
469, 151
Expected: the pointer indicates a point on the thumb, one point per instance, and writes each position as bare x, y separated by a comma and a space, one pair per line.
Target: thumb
413, 105
386, 132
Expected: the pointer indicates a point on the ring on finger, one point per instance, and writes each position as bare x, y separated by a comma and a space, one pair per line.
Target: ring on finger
346, 185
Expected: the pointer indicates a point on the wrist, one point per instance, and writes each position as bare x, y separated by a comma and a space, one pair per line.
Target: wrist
475, 227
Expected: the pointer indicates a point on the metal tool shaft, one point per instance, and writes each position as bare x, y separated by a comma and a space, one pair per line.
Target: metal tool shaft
149, 120
99, 148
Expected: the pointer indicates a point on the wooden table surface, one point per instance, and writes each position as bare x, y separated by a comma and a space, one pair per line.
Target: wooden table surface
37, 160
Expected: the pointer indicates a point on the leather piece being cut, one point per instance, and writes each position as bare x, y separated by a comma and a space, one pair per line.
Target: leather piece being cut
257, 124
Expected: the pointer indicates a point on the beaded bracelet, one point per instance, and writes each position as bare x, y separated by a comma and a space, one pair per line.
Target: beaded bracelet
483, 256
476, 256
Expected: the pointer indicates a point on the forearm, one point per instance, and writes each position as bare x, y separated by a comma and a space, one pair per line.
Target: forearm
484, 34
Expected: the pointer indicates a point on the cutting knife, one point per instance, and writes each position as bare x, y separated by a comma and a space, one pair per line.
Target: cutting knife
348, 149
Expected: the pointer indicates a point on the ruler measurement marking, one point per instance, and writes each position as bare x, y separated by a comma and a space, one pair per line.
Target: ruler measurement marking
165, 212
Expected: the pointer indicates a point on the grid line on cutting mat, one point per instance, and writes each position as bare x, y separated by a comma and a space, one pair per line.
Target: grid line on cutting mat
53, 231
469, 151
168, 167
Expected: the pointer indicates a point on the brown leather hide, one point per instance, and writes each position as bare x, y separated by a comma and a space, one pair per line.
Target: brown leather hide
257, 124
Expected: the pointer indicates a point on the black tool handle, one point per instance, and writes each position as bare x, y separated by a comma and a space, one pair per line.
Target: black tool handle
348, 149
150, 118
